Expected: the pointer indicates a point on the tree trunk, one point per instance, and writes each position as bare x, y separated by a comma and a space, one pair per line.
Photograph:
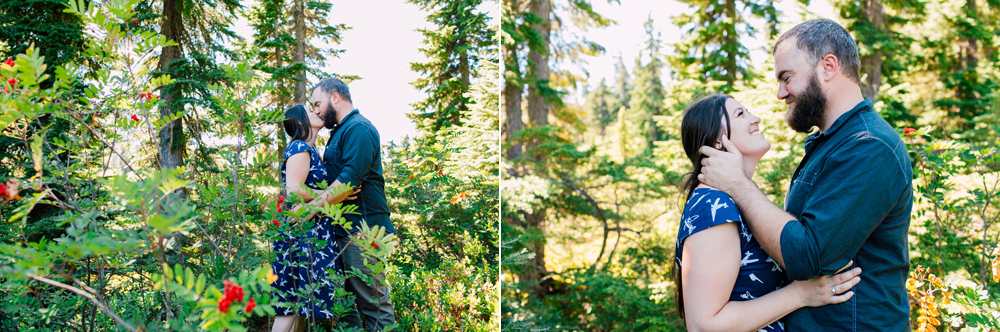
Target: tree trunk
281, 101
872, 63
538, 109
538, 115
732, 41
300, 51
512, 90
172, 143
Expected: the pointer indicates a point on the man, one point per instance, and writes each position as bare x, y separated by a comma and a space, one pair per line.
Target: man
851, 195
354, 156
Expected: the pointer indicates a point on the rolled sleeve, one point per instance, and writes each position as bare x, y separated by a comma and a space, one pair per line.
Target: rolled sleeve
853, 193
359, 146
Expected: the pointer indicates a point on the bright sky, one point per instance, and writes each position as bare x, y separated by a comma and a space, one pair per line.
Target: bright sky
628, 36
380, 46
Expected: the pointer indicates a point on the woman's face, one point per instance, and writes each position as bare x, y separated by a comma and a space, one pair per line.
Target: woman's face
315, 122
745, 130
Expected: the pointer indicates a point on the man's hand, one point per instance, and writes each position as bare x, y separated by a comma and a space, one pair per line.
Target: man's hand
343, 196
722, 170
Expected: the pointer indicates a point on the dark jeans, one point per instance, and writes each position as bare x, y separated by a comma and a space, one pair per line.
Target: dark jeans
372, 302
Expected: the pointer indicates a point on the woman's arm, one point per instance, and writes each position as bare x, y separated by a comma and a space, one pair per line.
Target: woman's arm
330, 197
710, 266
296, 171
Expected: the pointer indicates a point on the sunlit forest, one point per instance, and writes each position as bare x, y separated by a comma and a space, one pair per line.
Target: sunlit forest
141, 147
591, 171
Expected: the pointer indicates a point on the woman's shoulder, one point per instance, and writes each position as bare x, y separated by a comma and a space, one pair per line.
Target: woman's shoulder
707, 207
296, 147
708, 197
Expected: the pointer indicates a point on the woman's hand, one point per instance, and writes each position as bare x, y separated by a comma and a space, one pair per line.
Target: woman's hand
343, 196
823, 290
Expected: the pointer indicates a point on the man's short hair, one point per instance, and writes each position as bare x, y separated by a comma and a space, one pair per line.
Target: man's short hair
333, 84
820, 37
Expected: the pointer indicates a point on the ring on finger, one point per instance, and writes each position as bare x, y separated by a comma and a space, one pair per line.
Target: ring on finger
833, 289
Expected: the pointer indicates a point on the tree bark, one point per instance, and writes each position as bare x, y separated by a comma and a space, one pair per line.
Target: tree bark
538, 115
872, 63
512, 90
732, 41
172, 142
299, 14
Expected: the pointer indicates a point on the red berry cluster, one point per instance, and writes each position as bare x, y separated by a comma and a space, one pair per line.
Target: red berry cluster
9, 190
10, 61
135, 117
234, 293
281, 199
909, 131
148, 96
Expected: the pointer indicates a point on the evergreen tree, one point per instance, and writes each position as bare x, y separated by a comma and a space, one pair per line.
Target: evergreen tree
648, 93
453, 48
711, 50
57, 34
192, 63
278, 25
477, 140
964, 59
598, 102
622, 87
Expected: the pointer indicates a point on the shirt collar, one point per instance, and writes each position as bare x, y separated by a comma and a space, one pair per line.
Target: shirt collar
342, 121
860, 107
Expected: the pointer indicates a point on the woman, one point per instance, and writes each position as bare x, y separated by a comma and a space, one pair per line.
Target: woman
738, 287
301, 264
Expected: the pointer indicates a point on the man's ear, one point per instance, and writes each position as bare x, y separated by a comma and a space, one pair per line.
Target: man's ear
830, 65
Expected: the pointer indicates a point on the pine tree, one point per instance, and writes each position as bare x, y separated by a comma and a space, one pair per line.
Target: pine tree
711, 51
276, 48
598, 102
964, 59
516, 31
477, 139
648, 93
461, 34
189, 63
57, 34
622, 87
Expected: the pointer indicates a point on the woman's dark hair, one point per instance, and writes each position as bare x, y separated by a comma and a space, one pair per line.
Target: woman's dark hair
700, 126
296, 123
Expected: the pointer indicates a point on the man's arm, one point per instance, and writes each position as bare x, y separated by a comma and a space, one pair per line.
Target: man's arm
723, 170
849, 199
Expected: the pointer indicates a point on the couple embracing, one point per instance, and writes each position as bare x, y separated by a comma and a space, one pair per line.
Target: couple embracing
835, 258
352, 156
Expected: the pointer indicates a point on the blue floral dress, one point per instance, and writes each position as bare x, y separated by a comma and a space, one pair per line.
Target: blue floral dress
759, 274
301, 263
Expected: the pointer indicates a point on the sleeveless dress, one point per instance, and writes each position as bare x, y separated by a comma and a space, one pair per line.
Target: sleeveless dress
301, 263
759, 274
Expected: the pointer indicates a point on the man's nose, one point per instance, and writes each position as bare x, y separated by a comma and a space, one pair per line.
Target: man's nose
782, 92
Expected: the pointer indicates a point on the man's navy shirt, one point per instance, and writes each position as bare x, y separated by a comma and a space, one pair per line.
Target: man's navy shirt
353, 155
852, 195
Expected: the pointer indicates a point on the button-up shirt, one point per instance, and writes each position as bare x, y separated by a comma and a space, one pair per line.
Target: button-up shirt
353, 155
852, 195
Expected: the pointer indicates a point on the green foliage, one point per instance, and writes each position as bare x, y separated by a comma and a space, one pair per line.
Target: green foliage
102, 240
454, 48
711, 50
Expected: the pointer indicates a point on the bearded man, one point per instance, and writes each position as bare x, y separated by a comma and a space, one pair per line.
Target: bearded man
851, 195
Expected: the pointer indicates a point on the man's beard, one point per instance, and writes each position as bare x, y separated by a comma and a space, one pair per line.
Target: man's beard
329, 117
809, 108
